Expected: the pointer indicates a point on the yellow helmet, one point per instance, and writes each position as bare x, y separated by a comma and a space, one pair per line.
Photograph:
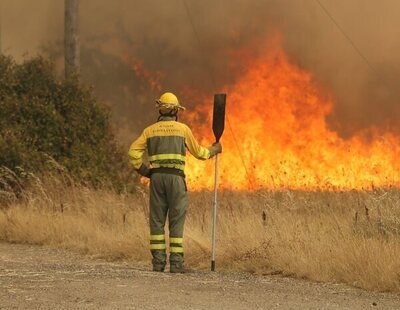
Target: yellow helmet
168, 101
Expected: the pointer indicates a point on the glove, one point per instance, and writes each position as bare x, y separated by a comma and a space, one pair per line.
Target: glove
144, 171
216, 148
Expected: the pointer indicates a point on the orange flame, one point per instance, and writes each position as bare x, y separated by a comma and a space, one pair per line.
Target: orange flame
151, 79
278, 137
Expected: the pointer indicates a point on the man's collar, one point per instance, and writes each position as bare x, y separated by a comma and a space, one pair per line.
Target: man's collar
164, 118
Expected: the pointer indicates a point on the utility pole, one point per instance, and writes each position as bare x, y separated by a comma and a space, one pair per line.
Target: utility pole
71, 38
1, 28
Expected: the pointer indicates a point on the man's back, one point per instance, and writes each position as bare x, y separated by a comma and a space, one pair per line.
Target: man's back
166, 142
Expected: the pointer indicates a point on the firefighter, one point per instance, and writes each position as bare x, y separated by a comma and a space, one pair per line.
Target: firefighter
166, 142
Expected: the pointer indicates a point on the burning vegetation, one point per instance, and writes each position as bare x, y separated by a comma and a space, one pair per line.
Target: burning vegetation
278, 136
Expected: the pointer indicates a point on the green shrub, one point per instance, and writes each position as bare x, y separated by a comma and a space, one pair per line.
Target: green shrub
43, 117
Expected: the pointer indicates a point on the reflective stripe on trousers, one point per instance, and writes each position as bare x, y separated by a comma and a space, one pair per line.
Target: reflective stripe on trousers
157, 242
176, 245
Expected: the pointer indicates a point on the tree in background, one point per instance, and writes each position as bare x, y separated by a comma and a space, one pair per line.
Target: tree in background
43, 118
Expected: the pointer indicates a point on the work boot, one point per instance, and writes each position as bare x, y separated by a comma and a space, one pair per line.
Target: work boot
176, 263
177, 267
158, 268
159, 260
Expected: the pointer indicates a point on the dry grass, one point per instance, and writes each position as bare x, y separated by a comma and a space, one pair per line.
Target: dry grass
350, 237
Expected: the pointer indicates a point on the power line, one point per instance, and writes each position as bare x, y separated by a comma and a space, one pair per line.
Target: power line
210, 71
202, 50
358, 51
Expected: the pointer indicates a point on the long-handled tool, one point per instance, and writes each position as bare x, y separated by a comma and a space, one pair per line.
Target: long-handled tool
218, 129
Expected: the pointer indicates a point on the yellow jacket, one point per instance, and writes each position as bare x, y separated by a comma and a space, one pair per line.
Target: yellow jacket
166, 142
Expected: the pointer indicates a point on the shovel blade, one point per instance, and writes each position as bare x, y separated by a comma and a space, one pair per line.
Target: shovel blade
219, 115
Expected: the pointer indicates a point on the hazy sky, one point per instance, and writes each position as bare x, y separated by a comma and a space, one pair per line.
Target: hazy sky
158, 32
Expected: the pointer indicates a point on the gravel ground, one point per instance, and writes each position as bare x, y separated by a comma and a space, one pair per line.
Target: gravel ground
33, 277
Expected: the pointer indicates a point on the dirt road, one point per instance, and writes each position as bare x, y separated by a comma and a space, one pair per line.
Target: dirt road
34, 277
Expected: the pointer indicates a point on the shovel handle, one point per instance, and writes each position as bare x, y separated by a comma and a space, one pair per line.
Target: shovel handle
214, 218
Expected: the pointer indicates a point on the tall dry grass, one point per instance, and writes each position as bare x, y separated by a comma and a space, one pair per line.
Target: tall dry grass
351, 237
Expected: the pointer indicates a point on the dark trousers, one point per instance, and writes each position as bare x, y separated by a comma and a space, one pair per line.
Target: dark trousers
168, 197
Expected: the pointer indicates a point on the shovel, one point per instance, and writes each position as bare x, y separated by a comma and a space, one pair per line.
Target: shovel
218, 129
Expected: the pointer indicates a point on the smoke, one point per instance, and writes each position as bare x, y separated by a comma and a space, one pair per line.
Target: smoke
365, 92
133, 50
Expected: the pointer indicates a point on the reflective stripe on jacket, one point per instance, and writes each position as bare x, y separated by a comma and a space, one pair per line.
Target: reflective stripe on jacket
166, 142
